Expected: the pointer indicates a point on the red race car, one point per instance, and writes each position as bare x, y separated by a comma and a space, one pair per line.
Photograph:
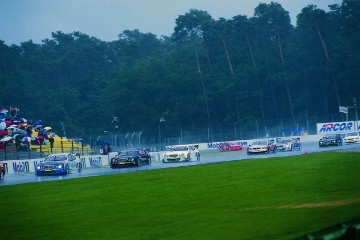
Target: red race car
230, 146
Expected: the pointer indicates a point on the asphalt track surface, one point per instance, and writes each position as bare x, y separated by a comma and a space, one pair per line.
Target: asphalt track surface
210, 156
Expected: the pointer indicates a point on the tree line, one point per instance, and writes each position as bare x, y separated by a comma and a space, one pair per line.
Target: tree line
209, 71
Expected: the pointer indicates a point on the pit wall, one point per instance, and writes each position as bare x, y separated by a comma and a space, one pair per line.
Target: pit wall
96, 161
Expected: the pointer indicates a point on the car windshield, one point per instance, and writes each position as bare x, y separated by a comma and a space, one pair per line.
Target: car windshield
283, 140
260, 142
329, 136
56, 158
351, 134
177, 148
128, 153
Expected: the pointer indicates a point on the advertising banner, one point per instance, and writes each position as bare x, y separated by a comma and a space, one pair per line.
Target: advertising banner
337, 127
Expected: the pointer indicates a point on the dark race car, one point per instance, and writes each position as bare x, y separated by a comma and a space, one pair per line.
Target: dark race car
330, 140
2, 171
131, 157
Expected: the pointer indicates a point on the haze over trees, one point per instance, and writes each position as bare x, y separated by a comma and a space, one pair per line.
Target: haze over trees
247, 72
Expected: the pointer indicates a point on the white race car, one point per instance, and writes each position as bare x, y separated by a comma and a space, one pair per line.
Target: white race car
181, 154
284, 144
262, 146
352, 137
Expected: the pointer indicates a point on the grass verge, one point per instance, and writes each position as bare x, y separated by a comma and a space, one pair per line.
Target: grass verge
276, 198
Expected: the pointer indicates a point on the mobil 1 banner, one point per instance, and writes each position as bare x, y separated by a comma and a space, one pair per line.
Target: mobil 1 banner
338, 127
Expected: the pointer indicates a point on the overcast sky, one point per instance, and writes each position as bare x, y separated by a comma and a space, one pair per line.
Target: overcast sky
22, 20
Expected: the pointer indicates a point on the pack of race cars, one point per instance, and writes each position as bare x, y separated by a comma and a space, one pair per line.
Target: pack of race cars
66, 163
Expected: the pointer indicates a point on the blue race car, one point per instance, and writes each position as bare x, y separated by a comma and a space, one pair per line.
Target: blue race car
58, 164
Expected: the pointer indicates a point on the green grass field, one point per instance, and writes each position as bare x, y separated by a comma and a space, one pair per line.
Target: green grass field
276, 198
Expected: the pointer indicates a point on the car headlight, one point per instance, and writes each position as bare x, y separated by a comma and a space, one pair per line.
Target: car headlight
38, 167
182, 155
59, 166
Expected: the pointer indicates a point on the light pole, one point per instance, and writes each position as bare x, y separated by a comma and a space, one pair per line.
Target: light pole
140, 139
63, 128
116, 126
162, 119
126, 140
356, 115
133, 141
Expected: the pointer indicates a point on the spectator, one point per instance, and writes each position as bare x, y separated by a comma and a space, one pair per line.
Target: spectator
51, 141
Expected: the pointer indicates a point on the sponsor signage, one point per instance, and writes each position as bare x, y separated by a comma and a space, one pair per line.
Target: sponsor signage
343, 109
337, 127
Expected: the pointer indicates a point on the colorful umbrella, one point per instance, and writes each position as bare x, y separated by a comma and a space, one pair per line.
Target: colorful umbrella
26, 139
2, 125
5, 139
4, 111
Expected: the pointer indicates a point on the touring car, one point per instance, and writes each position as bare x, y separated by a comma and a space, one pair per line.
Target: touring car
284, 144
59, 163
230, 146
262, 146
181, 154
296, 143
2, 171
330, 140
352, 137
131, 157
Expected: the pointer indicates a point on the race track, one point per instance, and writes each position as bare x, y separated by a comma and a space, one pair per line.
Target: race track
210, 156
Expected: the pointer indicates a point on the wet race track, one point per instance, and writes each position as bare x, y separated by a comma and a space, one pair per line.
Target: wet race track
210, 156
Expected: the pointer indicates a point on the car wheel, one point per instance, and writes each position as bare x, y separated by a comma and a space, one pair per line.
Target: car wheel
188, 157
149, 161
80, 168
67, 169
198, 156
139, 163
2, 175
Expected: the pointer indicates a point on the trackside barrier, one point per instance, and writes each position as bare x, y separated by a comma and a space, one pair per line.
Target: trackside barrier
349, 230
28, 165
89, 161
245, 143
92, 161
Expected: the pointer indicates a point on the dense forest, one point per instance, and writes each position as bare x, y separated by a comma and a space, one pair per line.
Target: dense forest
247, 73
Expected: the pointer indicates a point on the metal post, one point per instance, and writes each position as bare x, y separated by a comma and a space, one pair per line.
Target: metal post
160, 135
140, 139
356, 114
126, 137
133, 141
162, 119
235, 137
63, 128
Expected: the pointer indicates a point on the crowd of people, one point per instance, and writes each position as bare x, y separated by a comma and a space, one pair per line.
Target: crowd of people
20, 132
